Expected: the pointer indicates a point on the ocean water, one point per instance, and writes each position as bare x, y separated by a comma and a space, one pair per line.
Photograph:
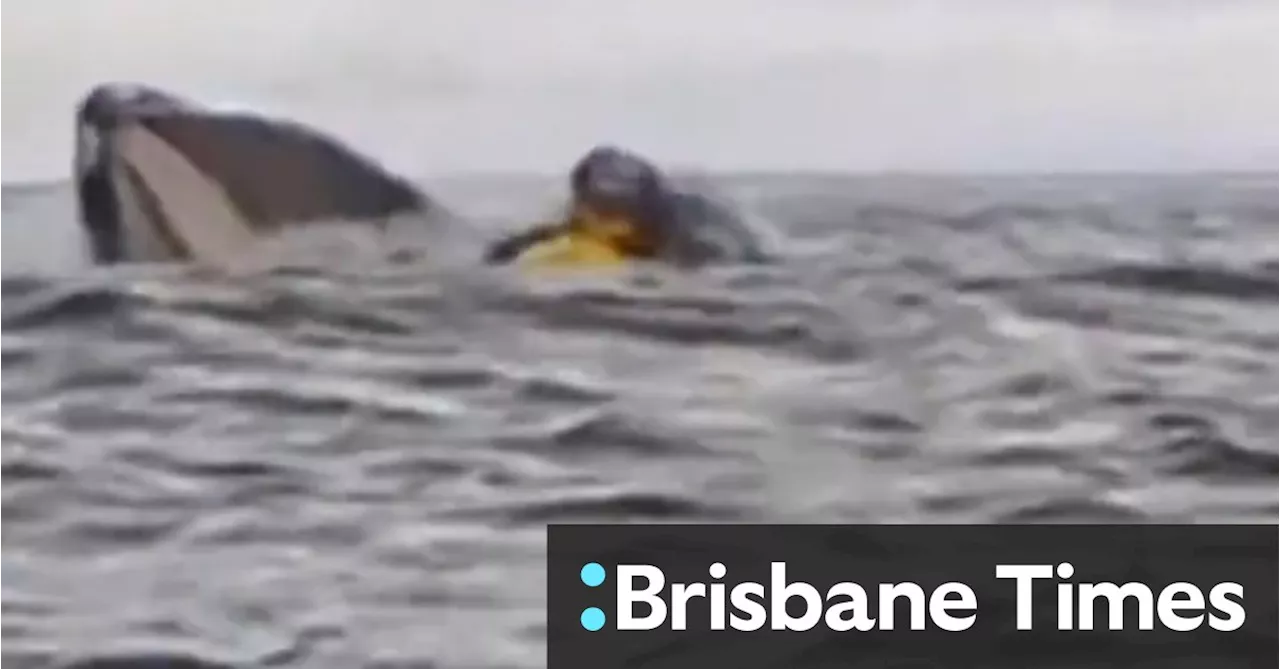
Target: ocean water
352, 462
349, 460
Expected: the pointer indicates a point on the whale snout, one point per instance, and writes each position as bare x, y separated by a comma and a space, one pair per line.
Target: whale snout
105, 109
106, 105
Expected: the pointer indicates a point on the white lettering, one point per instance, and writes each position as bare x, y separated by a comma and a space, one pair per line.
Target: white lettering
741, 598
717, 571
857, 605
628, 597
939, 607
889, 594
1024, 574
1115, 596
1233, 609
781, 592
1168, 605
681, 593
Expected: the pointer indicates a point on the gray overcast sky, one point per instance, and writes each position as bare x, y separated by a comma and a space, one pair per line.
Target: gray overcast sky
436, 86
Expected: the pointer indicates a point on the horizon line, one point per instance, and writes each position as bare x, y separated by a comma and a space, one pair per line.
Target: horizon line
691, 171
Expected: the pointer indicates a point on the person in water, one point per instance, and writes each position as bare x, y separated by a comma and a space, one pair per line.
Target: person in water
622, 208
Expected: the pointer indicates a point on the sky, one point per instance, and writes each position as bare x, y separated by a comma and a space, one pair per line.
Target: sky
435, 87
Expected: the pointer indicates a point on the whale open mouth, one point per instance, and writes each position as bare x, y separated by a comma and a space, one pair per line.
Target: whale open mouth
160, 178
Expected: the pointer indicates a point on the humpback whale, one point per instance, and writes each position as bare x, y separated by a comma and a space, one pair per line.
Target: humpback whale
623, 208
161, 178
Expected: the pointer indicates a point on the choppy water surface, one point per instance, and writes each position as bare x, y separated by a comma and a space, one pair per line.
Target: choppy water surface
354, 466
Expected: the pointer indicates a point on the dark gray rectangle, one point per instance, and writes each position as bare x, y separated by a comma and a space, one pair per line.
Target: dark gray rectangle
1232, 569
